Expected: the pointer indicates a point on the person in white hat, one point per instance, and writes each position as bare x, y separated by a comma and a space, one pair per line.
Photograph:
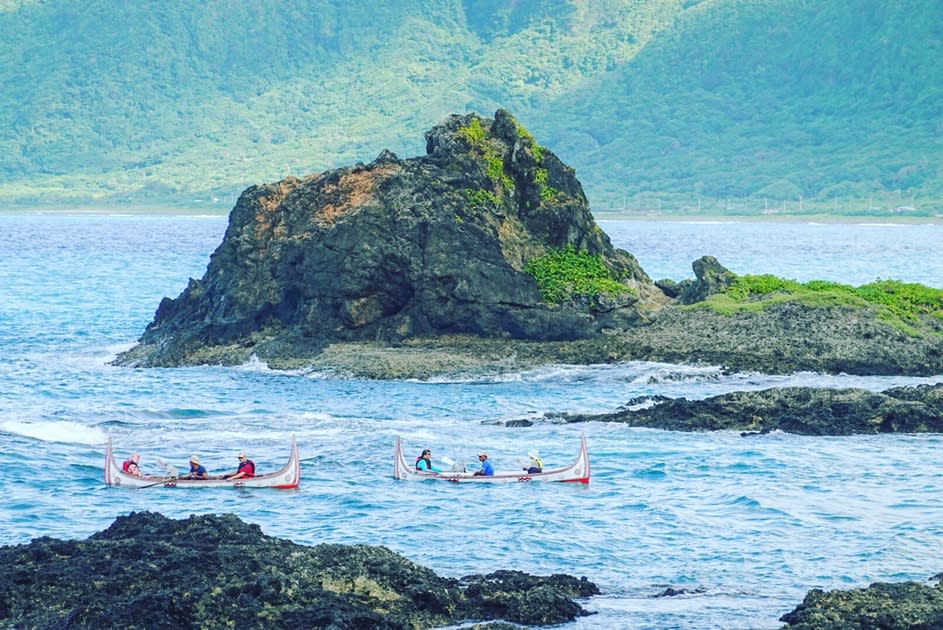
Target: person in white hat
197, 471
536, 464
246, 469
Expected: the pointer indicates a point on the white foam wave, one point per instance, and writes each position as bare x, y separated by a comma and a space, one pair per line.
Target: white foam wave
59, 431
255, 364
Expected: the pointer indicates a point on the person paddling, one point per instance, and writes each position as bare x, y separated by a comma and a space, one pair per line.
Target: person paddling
487, 469
536, 464
197, 471
132, 465
246, 469
424, 462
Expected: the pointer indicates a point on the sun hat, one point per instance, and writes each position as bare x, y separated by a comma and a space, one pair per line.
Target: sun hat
242, 454
482, 453
534, 455
194, 459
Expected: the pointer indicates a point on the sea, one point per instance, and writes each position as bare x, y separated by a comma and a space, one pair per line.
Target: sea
742, 527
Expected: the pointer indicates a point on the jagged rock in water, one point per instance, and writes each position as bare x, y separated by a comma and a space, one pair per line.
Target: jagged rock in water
432, 245
148, 571
800, 410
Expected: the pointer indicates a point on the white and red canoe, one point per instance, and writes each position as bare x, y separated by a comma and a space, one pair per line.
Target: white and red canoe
577, 472
288, 476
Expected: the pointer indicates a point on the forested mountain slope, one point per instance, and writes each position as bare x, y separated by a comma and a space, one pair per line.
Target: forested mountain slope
671, 104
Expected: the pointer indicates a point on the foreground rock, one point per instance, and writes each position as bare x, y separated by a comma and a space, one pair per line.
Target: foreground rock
801, 410
148, 571
881, 606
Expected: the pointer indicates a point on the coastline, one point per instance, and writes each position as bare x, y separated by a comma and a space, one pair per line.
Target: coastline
598, 215
879, 219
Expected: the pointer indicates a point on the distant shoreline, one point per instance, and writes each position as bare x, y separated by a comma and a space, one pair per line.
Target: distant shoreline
149, 210
598, 215
766, 218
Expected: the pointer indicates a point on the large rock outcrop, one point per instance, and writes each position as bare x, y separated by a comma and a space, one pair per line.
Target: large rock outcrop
395, 249
148, 571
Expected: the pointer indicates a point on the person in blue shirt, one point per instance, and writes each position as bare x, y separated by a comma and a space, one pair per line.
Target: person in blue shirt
424, 462
487, 470
197, 471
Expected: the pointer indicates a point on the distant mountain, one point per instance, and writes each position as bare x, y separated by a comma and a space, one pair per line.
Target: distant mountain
738, 106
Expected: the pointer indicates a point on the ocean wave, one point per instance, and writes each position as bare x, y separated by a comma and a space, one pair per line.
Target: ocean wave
57, 431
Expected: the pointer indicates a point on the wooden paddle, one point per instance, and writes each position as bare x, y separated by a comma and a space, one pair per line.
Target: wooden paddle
157, 483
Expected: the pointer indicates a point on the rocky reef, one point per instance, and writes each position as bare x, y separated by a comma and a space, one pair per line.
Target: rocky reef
881, 606
800, 410
148, 571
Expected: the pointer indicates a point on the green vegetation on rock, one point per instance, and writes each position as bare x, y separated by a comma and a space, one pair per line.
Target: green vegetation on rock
479, 197
494, 163
567, 274
901, 304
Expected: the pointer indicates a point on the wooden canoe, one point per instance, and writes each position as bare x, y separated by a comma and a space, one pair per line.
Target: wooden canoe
289, 476
577, 472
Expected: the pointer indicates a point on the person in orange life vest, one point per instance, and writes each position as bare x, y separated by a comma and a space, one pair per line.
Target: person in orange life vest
132, 465
246, 469
424, 462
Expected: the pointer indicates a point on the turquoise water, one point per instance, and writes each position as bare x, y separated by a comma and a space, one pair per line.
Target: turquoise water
753, 523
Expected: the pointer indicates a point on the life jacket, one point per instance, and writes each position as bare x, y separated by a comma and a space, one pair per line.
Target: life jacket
247, 464
126, 466
428, 467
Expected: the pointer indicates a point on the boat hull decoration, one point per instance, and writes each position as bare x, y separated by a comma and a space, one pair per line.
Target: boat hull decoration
577, 472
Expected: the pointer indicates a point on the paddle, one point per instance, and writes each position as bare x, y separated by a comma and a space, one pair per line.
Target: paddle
448, 461
170, 471
157, 483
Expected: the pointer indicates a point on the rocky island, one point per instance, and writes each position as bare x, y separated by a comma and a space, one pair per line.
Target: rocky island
483, 255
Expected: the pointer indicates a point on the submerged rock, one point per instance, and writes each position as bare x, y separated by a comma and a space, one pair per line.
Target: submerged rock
801, 410
149, 571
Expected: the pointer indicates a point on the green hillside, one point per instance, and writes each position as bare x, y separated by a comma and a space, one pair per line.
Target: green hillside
739, 106
743, 101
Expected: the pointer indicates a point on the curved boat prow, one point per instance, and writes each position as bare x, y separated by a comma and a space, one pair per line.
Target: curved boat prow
291, 473
580, 467
109, 459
